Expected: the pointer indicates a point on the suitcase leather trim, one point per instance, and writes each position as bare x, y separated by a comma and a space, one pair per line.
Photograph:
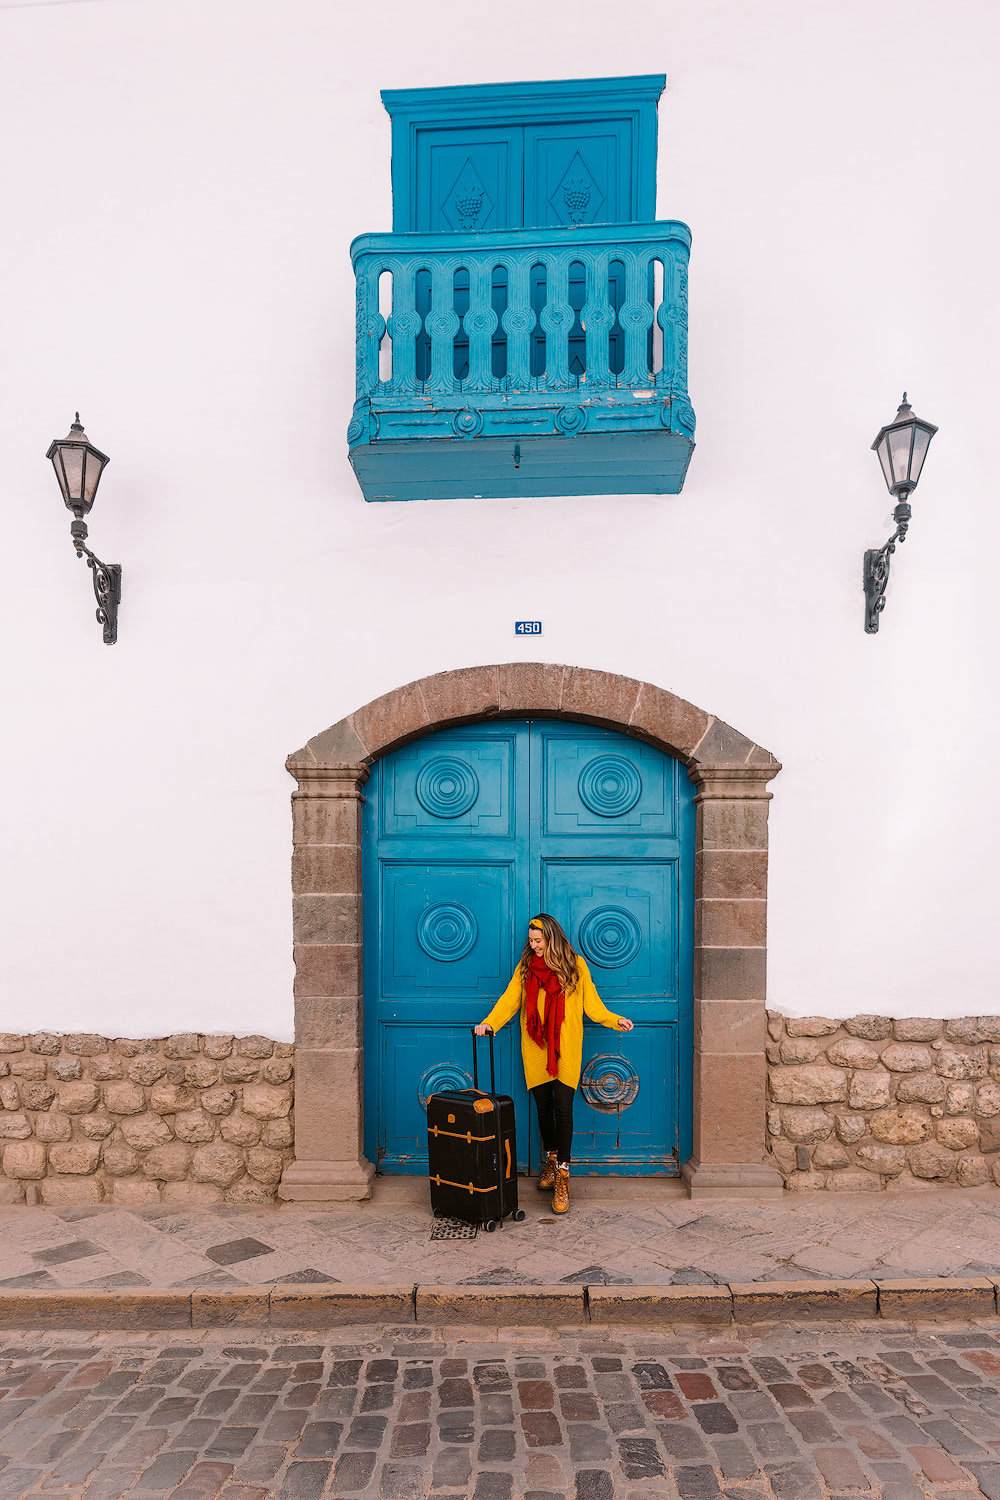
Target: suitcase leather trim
461, 1135
483, 1106
466, 1187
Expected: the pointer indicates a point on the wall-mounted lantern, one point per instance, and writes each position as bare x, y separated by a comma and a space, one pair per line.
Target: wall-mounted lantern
79, 465
901, 448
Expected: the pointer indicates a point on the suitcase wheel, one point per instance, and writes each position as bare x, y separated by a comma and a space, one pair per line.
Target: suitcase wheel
519, 1216
490, 1225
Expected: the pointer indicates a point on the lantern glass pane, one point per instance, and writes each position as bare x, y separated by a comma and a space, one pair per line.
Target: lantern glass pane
921, 442
57, 465
92, 474
883, 457
72, 462
899, 453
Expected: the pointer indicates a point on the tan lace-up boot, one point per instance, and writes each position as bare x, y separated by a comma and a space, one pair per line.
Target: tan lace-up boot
547, 1176
560, 1198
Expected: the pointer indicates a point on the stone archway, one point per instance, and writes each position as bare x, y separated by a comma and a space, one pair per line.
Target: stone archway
730, 773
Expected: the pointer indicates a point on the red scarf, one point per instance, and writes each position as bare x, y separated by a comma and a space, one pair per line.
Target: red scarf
545, 1033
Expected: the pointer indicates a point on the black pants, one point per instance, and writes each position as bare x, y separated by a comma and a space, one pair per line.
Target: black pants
555, 1117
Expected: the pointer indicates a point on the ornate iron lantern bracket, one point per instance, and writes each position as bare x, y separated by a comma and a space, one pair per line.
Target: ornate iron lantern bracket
79, 465
876, 571
107, 579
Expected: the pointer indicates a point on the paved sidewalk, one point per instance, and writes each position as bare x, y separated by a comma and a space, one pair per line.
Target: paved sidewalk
613, 1235
406, 1413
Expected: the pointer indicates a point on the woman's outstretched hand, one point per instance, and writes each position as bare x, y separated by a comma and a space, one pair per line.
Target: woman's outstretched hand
483, 1030
624, 1024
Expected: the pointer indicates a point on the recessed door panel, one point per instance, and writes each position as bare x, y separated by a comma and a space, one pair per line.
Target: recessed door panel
446, 931
469, 180
621, 916
603, 787
414, 1060
637, 1136
450, 789
578, 173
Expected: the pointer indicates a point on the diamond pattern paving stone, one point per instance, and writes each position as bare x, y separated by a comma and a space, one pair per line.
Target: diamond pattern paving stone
307, 1276
58, 1255
594, 1274
234, 1251
119, 1278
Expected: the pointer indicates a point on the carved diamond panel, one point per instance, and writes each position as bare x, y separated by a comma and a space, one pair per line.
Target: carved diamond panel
468, 204
577, 198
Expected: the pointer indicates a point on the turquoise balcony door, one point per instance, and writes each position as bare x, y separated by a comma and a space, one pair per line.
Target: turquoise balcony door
468, 833
552, 175
472, 179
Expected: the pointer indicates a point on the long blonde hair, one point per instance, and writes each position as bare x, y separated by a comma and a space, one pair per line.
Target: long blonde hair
559, 953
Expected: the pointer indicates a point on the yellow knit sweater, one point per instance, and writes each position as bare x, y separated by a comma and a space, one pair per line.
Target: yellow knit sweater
582, 998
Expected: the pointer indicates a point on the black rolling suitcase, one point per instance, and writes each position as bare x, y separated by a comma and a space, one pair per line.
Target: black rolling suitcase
471, 1152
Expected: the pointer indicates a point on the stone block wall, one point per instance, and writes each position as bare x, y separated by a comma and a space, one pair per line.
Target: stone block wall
872, 1103
181, 1119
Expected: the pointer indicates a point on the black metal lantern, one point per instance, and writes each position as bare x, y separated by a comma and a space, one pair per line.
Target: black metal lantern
901, 448
79, 466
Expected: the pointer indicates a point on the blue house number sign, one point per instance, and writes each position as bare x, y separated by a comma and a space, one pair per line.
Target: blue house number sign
527, 627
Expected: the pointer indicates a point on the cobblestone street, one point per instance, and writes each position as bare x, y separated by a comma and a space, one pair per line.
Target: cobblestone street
406, 1413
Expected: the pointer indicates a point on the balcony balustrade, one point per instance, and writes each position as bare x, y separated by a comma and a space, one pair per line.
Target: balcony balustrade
522, 362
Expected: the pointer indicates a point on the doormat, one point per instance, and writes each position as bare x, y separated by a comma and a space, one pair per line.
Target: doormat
453, 1229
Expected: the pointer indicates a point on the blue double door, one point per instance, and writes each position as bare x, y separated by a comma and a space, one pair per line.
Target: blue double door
548, 175
469, 833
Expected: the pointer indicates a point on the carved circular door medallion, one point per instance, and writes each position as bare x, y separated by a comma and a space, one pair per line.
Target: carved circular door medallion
441, 1076
447, 787
609, 1084
609, 786
447, 932
610, 937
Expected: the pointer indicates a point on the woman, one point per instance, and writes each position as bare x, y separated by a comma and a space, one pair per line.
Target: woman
552, 989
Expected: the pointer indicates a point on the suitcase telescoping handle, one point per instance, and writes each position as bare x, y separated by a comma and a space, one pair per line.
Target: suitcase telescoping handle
493, 1089
475, 1063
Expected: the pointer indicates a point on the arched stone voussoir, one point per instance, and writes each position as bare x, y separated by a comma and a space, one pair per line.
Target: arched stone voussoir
522, 689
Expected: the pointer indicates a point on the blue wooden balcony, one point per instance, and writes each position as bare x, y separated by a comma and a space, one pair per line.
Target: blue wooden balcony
522, 362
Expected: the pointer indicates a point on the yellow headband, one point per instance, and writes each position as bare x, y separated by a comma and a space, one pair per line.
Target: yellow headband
534, 923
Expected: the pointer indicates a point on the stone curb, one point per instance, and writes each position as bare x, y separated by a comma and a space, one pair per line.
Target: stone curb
501, 1306
660, 1304
339, 1305
937, 1297
766, 1301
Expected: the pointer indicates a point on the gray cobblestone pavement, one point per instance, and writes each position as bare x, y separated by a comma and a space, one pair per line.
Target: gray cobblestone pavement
534, 1414
613, 1234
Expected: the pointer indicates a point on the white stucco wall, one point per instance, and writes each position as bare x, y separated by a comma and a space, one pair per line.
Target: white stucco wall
181, 183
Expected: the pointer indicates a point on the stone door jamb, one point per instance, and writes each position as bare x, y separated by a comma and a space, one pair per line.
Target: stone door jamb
731, 774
